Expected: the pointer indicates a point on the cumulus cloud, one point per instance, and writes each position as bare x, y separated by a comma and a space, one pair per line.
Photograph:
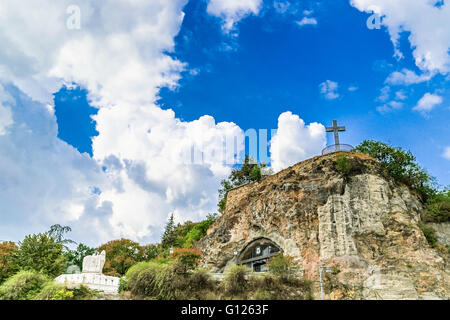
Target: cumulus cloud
389, 107
406, 77
428, 102
232, 11
428, 26
446, 153
5, 111
307, 21
295, 141
139, 170
329, 89
44, 180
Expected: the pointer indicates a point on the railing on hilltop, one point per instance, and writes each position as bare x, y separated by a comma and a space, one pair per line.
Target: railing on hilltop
337, 148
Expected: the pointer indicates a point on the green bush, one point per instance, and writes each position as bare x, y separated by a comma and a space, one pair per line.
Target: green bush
200, 280
158, 281
83, 293
343, 165
24, 285
438, 207
429, 233
400, 164
282, 266
188, 233
130, 278
236, 283
54, 291
269, 287
41, 253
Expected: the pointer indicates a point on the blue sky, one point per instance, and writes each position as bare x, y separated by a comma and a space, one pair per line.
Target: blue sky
272, 65
98, 115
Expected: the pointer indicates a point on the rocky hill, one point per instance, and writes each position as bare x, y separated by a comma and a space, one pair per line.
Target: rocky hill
361, 224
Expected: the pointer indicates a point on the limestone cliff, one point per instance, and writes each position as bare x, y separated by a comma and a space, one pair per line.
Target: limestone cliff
362, 224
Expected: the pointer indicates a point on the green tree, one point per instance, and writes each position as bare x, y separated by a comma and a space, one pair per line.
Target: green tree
75, 257
168, 239
8, 265
121, 255
57, 232
41, 253
152, 251
249, 171
400, 164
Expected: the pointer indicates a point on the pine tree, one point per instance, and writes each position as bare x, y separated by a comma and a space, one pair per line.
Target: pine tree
168, 238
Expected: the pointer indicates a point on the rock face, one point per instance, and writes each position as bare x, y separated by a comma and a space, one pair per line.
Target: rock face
363, 225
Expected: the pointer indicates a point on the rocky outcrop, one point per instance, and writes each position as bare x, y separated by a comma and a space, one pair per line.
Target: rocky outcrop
363, 225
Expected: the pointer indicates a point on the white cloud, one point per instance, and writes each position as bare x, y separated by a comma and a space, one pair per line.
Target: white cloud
353, 88
400, 95
385, 93
390, 107
446, 154
232, 11
119, 56
428, 102
5, 111
44, 180
295, 141
307, 21
406, 77
329, 89
428, 26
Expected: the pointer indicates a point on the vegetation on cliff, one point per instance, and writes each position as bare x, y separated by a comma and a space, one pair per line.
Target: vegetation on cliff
249, 171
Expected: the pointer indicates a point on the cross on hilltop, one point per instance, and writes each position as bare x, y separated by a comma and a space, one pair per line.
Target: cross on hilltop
336, 129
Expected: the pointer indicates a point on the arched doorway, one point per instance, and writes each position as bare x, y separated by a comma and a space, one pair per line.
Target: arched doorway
257, 253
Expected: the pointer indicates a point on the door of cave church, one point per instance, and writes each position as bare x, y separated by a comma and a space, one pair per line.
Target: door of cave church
257, 253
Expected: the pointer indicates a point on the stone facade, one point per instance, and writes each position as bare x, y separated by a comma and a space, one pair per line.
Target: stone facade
363, 225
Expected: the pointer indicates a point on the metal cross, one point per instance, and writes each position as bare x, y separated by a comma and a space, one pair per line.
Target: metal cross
336, 131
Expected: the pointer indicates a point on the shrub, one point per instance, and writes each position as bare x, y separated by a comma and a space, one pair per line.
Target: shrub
158, 281
275, 288
132, 274
54, 291
429, 233
235, 283
189, 258
343, 165
400, 164
24, 285
83, 293
188, 233
8, 265
199, 281
281, 266
438, 207
171, 283
42, 254
121, 255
